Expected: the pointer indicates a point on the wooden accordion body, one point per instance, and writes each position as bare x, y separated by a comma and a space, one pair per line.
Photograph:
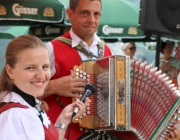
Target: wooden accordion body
130, 96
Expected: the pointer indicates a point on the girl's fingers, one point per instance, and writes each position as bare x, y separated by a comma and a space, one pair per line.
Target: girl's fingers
82, 107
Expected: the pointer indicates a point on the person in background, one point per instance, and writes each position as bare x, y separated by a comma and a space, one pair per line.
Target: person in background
24, 78
177, 55
129, 49
169, 64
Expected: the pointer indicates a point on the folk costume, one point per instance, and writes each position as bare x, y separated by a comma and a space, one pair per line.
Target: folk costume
66, 57
21, 118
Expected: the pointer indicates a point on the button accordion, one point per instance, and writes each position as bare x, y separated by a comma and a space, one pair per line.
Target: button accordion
131, 96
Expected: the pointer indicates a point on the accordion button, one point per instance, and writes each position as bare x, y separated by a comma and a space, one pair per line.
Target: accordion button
88, 108
84, 114
178, 110
162, 135
175, 117
178, 118
169, 127
88, 112
170, 124
165, 133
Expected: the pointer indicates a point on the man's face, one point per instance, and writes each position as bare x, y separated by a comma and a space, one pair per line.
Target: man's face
85, 18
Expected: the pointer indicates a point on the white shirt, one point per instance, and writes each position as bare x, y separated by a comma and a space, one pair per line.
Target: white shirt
75, 41
19, 123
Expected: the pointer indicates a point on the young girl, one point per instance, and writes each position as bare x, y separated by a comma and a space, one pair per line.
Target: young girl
23, 79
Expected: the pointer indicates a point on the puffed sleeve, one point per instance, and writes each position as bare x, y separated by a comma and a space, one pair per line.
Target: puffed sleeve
20, 124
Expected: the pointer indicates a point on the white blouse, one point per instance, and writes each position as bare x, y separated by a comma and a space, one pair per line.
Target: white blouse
21, 123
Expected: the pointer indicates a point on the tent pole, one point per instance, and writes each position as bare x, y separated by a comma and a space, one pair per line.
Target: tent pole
158, 49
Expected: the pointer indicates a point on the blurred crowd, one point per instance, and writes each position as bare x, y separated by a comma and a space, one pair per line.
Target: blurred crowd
169, 61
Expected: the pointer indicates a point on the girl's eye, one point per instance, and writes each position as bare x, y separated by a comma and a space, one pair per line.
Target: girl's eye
30, 68
45, 67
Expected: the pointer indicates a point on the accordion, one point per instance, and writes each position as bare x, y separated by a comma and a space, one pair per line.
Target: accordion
131, 96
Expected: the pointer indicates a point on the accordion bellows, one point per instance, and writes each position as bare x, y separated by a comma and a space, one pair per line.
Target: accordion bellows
131, 96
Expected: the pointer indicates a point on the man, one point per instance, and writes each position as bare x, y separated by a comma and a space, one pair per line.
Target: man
84, 16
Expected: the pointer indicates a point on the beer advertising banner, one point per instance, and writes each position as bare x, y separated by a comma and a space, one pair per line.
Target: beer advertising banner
14, 12
48, 31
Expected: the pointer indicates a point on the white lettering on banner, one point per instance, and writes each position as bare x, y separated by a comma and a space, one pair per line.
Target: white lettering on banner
18, 10
110, 30
178, 26
49, 30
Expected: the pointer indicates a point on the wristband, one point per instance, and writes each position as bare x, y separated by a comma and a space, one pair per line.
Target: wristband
60, 125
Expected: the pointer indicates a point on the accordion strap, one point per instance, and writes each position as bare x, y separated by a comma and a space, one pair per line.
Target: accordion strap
84, 50
59, 101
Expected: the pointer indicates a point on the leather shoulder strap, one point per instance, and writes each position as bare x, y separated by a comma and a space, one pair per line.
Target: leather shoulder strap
79, 48
64, 39
69, 41
11, 105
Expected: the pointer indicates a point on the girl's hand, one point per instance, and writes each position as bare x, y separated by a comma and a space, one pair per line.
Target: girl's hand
66, 114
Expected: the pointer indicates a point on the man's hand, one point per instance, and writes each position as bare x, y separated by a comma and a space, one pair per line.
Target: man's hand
66, 86
174, 134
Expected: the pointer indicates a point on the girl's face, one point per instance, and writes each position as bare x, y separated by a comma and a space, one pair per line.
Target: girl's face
31, 73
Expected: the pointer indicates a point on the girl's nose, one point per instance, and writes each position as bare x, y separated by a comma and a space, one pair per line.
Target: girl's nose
40, 74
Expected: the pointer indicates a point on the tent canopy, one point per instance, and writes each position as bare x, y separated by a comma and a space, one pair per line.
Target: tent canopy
10, 32
28, 12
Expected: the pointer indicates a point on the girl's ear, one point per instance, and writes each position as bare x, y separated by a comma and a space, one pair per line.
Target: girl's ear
9, 71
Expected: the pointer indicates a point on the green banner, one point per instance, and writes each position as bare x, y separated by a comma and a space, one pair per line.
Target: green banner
48, 31
27, 12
